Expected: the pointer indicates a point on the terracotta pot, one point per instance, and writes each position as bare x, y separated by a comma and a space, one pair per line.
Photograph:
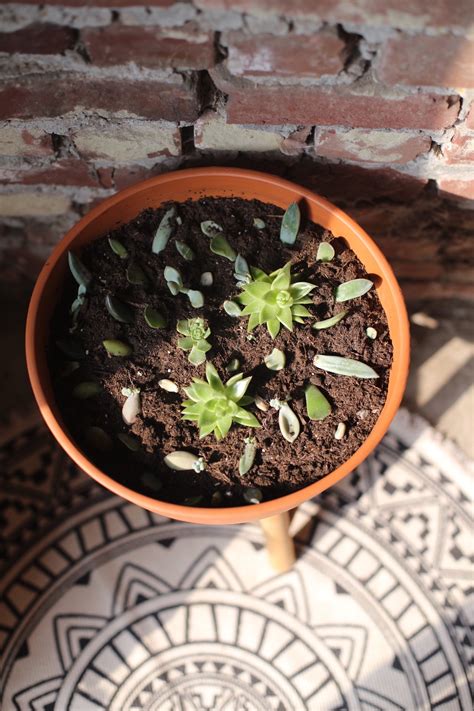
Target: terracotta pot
180, 186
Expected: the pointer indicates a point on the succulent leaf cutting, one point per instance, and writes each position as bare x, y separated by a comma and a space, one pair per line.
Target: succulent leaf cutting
215, 406
275, 300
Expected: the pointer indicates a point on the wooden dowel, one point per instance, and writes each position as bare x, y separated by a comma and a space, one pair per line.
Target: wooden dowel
280, 546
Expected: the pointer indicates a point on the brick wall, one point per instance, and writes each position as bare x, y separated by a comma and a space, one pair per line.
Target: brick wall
370, 103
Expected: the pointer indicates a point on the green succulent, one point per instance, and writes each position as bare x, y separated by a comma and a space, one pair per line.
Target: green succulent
215, 406
274, 299
195, 333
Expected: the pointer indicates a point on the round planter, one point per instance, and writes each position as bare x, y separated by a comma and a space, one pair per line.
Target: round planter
197, 183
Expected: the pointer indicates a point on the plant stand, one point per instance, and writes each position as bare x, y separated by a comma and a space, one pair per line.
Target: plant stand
280, 546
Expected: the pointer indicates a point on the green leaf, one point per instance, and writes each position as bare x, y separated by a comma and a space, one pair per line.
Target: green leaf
325, 252
328, 322
237, 390
98, 439
276, 360
232, 365
118, 248
196, 298
273, 326
290, 224
71, 348
317, 406
184, 250
135, 275
173, 287
288, 423
173, 275
87, 389
118, 310
183, 326
344, 366
163, 233
241, 266
154, 318
285, 317
129, 442
232, 308
115, 347
246, 418
80, 272
258, 223
196, 357
185, 343
212, 377
247, 459
352, 289
219, 245
210, 228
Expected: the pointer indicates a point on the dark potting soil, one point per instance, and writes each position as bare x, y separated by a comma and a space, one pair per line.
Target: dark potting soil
280, 467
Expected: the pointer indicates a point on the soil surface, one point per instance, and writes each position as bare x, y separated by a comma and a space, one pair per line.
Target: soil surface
280, 467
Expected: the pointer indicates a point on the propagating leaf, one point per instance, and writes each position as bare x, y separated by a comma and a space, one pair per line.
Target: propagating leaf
117, 247
252, 495
288, 423
173, 275
98, 439
219, 245
290, 224
196, 298
241, 266
325, 252
118, 310
68, 368
184, 250
258, 223
154, 318
130, 442
114, 347
247, 459
193, 500
371, 333
276, 360
261, 404
232, 309
344, 366
328, 322
317, 406
71, 348
168, 385
233, 365
131, 408
182, 461
174, 287
80, 272
352, 289
87, 389
340, 430
206, 279
210, 228
135, 275
163, 233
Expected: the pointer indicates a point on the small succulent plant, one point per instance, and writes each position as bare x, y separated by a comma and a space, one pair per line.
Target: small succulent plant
215, 406
275, 300
196, 333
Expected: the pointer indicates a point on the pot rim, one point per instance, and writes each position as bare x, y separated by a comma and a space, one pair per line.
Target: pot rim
217, 515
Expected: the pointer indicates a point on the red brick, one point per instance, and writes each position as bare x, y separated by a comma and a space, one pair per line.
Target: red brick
461, 149
370, 146
405, 14
328, 106
267, 55
185, 48
62, 172
456, 188
16, 141
103, 3
436, 290
469, 123
38, 39
54, 95
126, 176
346, 183
427, 61
420, 270
105, 176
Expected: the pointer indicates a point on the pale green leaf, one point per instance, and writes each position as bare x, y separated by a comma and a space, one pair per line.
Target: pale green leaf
352, 289
344, 366
163, 233
325, 252
219, 245
80, 272
290, 224
276, 360
317, 405
328, 322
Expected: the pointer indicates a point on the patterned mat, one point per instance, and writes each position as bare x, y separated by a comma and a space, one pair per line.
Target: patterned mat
106, 606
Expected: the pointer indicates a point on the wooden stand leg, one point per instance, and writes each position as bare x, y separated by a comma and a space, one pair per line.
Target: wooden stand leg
280, 546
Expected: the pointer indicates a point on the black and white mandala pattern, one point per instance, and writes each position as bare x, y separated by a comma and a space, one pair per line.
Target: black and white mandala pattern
106, 606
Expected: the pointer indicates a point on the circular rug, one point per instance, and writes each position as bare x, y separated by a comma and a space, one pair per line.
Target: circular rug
106, 606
